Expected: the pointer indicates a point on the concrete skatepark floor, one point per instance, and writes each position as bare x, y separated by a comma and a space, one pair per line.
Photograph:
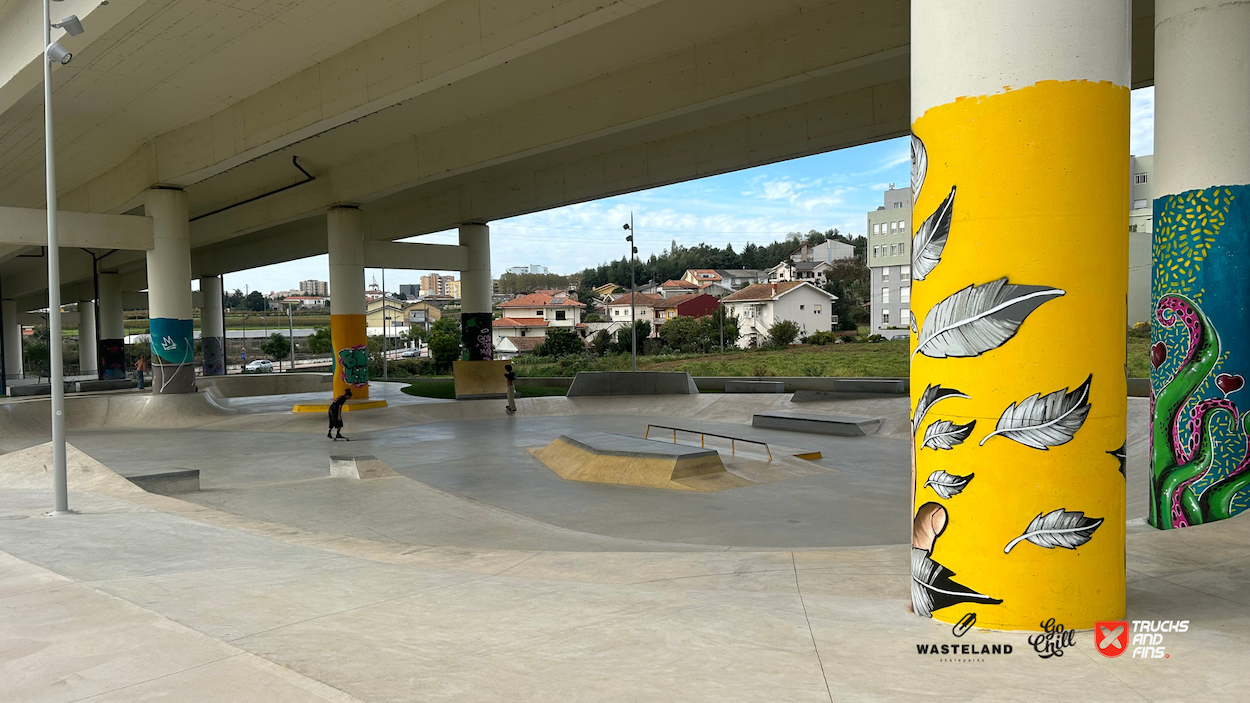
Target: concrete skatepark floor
479, 575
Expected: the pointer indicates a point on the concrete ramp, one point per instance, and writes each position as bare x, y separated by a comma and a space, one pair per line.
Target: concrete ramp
841, 425
247, 385
598, 383
599, 457
27, 418
31, 469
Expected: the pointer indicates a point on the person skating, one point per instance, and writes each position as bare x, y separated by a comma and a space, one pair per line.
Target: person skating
140, 366
509, 374
336, 416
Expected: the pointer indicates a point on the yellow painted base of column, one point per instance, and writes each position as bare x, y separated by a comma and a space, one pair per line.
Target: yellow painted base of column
350, 406
1037, 181
349, 336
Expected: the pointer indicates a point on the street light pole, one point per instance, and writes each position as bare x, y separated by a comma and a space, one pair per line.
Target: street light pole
59, 480
290, 329
633, 295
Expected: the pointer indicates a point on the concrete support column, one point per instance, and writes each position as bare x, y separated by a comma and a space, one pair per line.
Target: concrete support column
169, 293
112, 326
212, 327
1200, 352
475, 294
1020, 123
12, 340
87, 352
346, 228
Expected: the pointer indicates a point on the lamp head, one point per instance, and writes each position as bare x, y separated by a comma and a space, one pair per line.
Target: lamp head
59, 54
72, 25
626, 225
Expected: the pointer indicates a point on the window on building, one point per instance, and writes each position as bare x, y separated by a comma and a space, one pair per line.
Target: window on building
898, 205
538, 313
1132, 228
904, 317
885, 294
1141, 177
876, 251
560, 315
904, 294
876, 229
885, 273
816, 308
801, 307
904, 273
885, 317
892, 250
1140, 204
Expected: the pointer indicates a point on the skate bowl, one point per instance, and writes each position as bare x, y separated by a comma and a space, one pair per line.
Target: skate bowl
600, 383
600, 457
32, 418
265, 384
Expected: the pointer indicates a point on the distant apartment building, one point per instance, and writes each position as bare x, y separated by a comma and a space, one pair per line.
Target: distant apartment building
1140, 234
319, 289
410, 291
439, 285
532, 268
889, 260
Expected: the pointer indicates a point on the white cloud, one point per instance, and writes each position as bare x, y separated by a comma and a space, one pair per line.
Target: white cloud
1142, 122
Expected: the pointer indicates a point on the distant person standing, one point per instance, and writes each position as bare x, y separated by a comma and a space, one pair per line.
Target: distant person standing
336, 416
140, 366
509, 374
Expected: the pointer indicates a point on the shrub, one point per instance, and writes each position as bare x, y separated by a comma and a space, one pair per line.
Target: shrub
277, 347
1141, 330
560, 342
319, 341
875, 338
822, 338
414, 367
599, 345
783, 333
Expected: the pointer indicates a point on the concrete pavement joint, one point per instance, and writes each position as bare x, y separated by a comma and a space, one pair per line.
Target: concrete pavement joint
812, 633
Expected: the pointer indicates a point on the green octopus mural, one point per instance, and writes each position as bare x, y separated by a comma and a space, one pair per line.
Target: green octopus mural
1200, 441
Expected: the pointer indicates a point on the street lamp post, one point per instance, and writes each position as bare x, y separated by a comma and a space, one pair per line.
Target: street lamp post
290, 329
53, 51
633, 294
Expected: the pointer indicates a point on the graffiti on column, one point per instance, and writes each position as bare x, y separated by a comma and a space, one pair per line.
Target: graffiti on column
1015, 370
476, 335
113, 358
353, 364
1199, 357
349, 337
214, 355
172, 340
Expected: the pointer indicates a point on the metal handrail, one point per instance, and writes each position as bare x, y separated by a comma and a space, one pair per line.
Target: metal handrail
703, 435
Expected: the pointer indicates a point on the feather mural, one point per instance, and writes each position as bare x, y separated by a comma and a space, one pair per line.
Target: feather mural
919, 165
1058, 528
977, 319
932, 588
931, 395
947, 485
930, 239
944, 434
1043, 422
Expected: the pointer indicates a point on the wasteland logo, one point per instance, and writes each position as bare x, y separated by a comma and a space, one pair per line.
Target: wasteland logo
1052, 641
965, 623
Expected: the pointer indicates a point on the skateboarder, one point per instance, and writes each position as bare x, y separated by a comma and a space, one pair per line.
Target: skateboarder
336, 416
509, 374
140, 366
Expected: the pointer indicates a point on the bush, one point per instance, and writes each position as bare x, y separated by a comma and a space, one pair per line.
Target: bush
560, 342
600, 343
783, 333
319, 341
445, 343
875, 338
822, 338
1141, 330
277, 347
414, 367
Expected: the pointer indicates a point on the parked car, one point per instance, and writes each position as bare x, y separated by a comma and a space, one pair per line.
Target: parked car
259, 366
410, 354
898, 337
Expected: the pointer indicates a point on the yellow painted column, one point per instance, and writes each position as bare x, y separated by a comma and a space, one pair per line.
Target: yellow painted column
346, 230
1020, 279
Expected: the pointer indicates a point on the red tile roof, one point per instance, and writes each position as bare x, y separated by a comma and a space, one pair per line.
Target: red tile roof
762, 291
678, 284
674, 301
643, 299
541, 300
520, 322
525, 344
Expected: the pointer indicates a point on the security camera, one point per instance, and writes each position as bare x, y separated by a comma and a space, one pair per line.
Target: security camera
72, 25
58, 53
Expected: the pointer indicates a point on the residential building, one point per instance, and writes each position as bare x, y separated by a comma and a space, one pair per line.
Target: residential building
690, 305
828, 251
619, 310
306, 301
730, 279
319, 289
410, 291
512, 347
532, 268
814, 272
398, 316
555, 308
604, 291
1140, 234
422, 313
763, 305
505, 327
453, 288
437, 284
672, 288
889, 260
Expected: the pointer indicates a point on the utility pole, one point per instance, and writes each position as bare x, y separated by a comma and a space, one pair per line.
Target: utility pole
290, 328
384, 331
633, 296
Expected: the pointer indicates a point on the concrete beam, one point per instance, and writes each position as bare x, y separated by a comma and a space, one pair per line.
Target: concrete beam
410, 255
22, 226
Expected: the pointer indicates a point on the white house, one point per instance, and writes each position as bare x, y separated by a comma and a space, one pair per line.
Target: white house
812, 271
556, 308
763, 305
618, 310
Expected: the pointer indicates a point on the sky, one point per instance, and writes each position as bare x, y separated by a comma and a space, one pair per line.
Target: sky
760, 205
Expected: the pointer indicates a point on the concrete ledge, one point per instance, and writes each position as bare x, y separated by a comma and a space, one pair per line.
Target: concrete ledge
1139, 388
794, 384
168, 483
755, 387
601, 383
325, 407
108, 384
30, 389
600, 457
842, 425
360, 466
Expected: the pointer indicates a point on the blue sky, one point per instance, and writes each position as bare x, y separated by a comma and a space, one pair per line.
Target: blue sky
758, 205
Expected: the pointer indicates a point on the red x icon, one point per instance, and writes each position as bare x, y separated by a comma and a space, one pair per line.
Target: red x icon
1111, 638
